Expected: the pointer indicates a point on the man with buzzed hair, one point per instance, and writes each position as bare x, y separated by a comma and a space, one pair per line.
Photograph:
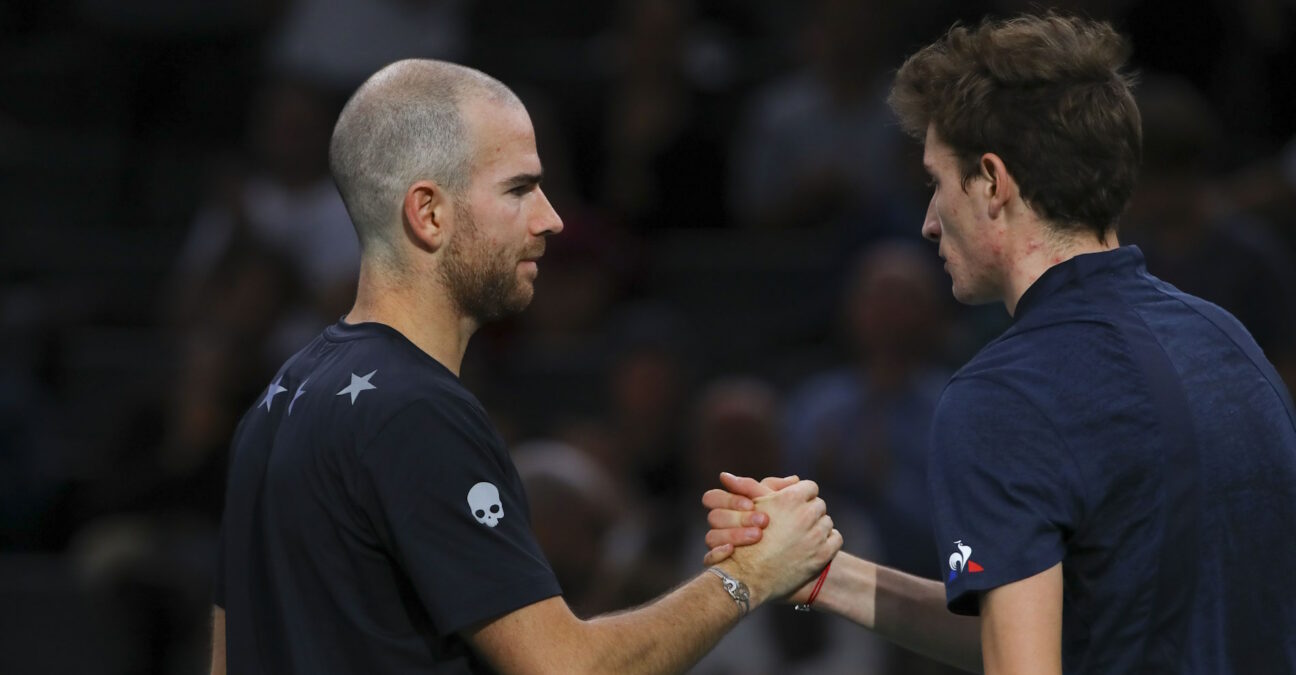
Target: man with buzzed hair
374, 522
1113, 479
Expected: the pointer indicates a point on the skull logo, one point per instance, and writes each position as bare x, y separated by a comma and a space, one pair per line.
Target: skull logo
484, 500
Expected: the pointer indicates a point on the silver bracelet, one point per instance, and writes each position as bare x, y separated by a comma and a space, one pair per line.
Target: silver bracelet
735, 588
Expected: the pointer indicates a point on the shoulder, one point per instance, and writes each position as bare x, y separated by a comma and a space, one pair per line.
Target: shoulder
377, 386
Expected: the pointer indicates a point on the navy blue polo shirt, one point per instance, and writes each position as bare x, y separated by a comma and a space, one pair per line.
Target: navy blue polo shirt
372, 514
1137, 435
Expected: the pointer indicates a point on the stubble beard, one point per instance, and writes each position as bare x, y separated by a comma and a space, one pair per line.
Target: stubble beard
483, 283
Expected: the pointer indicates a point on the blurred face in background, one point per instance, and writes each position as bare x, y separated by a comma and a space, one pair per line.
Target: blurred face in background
895, 307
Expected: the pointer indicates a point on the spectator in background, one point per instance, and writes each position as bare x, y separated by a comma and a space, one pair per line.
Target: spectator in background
818, 148
148, 524
577, 512
638, 432
667, 119
1194, 237
862, 429
282, 201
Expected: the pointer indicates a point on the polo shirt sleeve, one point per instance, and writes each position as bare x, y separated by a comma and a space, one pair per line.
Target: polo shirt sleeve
1005, 491
449, 506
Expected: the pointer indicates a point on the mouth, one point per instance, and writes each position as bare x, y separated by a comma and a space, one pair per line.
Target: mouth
534, 255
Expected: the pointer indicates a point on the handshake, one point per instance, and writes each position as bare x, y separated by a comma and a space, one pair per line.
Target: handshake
775, 535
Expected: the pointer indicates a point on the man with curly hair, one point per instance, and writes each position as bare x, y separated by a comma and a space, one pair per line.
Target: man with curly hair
1114, 478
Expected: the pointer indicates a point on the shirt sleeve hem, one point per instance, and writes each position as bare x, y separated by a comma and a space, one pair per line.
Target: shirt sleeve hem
507, 600
965, 599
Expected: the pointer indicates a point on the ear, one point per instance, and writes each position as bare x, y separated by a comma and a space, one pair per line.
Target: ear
427, 211
999, 186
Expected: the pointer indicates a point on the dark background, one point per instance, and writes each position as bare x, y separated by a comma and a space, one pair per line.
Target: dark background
740, 285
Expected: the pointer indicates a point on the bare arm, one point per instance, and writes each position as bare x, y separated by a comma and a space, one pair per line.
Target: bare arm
218, 641
668, 635
907, 610
1021, 626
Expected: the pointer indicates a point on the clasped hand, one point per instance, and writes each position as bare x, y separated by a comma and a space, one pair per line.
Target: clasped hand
788, 520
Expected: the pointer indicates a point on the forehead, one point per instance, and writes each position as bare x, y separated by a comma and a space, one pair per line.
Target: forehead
503, 139
935, 151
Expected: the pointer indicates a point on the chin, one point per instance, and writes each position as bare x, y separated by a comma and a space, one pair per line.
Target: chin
521, 300
972, 296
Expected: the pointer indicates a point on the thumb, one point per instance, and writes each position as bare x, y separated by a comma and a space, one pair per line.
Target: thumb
777, 484
742, 485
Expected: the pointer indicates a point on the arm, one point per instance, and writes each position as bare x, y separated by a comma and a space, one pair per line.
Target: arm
666, 636
218, 641
672, 633
904, 609
1021, 625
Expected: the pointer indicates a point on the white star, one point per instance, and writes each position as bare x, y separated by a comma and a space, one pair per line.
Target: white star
272, 392
300, 390
358, 384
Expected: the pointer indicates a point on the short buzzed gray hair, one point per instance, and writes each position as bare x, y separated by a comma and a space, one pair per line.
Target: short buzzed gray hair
405, 124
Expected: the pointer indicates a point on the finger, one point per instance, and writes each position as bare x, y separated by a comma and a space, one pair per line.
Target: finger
819, 507
721, 519
824, 525
736, 536
775, 483
716, 498
835, 541
717, 554
802, 490
742, 485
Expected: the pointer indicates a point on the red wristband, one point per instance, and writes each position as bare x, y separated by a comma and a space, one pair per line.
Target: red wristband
814, 592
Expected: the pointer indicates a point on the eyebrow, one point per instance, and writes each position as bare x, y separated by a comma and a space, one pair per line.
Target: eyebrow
523, 179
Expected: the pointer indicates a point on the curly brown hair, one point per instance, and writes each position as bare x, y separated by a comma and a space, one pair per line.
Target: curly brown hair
1045, 93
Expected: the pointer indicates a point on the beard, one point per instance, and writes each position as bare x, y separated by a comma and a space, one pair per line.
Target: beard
483, 280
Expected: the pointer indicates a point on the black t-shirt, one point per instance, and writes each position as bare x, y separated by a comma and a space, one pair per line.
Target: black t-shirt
372, 512
1137, 435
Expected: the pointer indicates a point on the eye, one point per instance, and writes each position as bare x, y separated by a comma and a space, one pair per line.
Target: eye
932, 182
522, 189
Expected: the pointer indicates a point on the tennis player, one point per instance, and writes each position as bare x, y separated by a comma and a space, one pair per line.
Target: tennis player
1114, 478
374, 522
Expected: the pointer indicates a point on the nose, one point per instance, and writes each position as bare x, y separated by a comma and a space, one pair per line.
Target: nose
931, 227
546, 221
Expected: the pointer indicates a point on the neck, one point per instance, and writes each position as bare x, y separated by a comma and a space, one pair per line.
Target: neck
425, 315
1041, 251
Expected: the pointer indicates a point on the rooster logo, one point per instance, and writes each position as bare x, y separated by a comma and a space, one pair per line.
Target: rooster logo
961, 560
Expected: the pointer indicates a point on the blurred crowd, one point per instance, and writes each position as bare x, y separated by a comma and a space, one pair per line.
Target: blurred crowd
741, 284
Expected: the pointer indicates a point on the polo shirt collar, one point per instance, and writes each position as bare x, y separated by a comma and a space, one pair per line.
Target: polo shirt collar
1118, 261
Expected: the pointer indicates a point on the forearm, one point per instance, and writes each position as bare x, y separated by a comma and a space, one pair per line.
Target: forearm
904, 609
666, 636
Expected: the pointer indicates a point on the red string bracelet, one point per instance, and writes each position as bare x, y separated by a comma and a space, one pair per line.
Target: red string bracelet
814, 592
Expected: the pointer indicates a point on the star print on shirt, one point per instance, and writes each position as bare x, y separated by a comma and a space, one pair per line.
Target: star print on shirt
300, 390
358, 384
273, 391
